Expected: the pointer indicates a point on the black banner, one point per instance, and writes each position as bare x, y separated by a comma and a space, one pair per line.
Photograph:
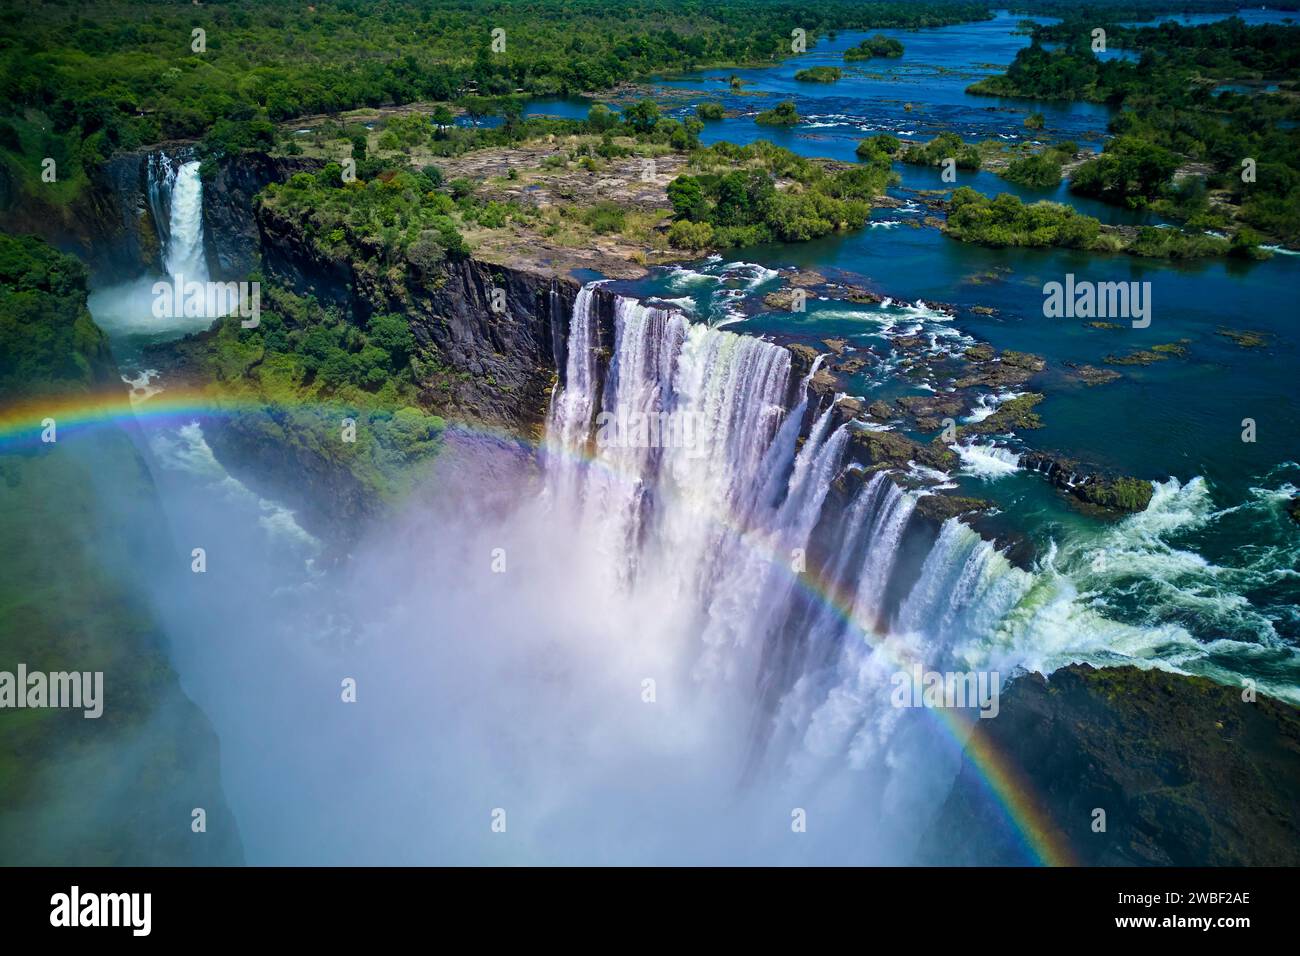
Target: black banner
330, 905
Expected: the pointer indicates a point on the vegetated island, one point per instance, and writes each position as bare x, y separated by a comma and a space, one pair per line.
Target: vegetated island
873, 47
1187, 143
819, 74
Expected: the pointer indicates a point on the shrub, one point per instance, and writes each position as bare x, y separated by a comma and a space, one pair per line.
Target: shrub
691, 235
783, 114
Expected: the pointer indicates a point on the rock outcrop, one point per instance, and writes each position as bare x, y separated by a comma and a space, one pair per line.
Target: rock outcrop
1187, 772
474, 363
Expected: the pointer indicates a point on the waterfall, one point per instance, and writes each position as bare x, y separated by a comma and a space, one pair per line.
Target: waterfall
722, 524
185, 255
175, 194
793, 598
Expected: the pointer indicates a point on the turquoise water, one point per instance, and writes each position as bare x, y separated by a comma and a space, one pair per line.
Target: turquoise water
1216, 553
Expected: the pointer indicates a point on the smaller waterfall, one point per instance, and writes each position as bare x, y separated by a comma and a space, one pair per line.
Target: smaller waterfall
184, 254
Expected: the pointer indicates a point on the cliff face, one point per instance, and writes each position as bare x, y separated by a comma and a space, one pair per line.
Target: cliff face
108, 226
477, 364
230, 232
1187, 772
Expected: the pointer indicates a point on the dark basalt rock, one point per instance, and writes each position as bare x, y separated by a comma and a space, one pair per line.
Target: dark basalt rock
1157, 353
874, 449
1090, 375
999, 371
880, 411
929, 411
473, 363
1017, 414
229, 226
109, 225
1114, 494
1187, 772
942, 507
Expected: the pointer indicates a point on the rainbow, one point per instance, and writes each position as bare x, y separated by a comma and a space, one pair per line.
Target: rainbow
21, 426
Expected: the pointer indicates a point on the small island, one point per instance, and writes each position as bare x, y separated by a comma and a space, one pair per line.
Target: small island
783, 114
819, 74
875, 46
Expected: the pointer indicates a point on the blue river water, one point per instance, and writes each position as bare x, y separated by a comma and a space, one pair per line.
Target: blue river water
1216, 553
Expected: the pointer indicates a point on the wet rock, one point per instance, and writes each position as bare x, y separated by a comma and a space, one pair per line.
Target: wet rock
782, 299
1091, 375
805, 278
1246, 338
929, 411
890, 449
880, 411
941, 507
1001, 371
1157, 353
1123, 494
1016, 414
1188, 772
850, 366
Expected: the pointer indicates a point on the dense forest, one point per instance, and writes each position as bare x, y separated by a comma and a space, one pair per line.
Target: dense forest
742, 206
1180, 103
47, 338
81, 79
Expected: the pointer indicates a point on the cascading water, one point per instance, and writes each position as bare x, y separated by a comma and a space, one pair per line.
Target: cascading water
184, 250
722, 525
716, 532
175, 194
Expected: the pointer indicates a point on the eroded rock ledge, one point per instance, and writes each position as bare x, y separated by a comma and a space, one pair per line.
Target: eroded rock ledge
1188, 773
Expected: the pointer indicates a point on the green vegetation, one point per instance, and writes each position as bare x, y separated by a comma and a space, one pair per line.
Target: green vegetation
819, 74
1174, 112
48, 341
1124, 494
882, 146
398, 214
1007, 222
1016, 414
1040, 170
874, 46
944, 146
710, 111
783, 114
1131, 171
82, 80
305, 368
77, 512
743, 206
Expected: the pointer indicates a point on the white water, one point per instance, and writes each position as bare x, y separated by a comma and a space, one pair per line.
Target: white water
184, 254
987, 462
717, 536
526, 689
175, 195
